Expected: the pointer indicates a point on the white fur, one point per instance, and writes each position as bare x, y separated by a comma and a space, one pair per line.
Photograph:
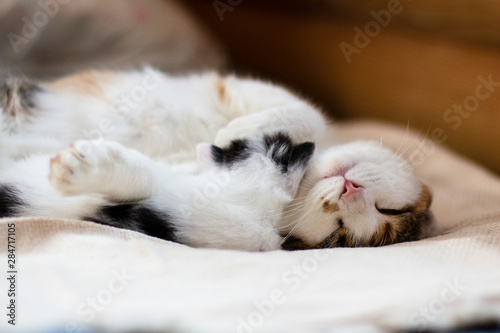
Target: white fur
164, 118
167, 122
234, 208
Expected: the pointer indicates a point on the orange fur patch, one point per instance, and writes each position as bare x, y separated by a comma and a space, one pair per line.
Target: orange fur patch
329, 207
424, 200
386, 234
86, 83
222, 90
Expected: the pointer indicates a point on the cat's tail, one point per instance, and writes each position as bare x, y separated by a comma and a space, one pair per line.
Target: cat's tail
17, 101
17, 96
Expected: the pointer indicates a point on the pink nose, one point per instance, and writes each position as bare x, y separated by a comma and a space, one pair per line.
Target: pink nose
350, 189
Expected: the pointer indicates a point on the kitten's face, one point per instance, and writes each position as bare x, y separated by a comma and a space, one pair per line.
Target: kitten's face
359, 194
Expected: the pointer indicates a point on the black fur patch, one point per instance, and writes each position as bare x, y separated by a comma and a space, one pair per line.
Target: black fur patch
285, 153
17, 95
280, 146
236, 152
293, 243
27, 91
137, 217
9, 201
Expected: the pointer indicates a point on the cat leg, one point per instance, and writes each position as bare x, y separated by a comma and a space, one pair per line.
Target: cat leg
103, 167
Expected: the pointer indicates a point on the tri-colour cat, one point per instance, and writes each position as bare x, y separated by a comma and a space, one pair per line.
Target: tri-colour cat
135, 149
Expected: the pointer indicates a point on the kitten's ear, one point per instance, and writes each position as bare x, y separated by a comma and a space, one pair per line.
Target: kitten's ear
204, 153
423, 204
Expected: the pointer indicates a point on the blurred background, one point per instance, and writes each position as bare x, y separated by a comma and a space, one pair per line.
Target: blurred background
430, 65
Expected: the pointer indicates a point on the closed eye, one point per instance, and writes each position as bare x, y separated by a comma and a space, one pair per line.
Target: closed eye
392, 211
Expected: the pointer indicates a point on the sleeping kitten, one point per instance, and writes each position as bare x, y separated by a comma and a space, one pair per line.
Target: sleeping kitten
236, 202
358, 194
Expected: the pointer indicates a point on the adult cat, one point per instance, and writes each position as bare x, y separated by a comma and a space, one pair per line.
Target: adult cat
358, 194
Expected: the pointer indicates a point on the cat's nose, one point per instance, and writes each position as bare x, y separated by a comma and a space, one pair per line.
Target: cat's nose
350, 189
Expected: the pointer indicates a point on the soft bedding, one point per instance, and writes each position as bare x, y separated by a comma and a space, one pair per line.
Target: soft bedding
76, 276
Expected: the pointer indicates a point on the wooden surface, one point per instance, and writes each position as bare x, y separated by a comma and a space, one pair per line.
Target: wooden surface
402, 74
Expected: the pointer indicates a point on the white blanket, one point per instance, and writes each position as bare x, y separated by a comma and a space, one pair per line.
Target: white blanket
76, 276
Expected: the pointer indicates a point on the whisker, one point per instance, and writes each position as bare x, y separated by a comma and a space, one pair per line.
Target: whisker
300, 223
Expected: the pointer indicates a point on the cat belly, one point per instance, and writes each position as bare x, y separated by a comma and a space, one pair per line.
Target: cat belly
161, 135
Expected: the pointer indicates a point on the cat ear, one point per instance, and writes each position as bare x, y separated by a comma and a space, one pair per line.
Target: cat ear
204, 155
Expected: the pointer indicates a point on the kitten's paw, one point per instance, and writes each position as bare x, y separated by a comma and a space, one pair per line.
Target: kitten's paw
76, 168
238, 129
265, 122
